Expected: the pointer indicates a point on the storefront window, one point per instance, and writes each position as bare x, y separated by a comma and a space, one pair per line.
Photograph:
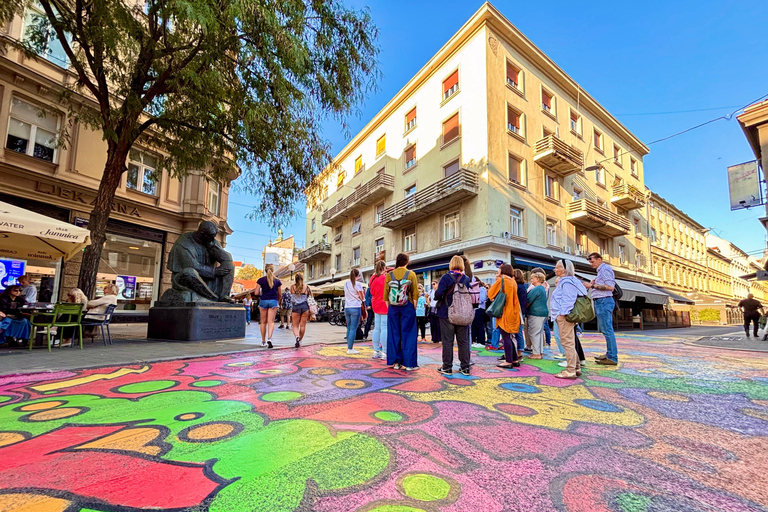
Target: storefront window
133, 265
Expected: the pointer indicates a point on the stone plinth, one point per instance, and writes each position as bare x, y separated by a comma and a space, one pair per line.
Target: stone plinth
196, 321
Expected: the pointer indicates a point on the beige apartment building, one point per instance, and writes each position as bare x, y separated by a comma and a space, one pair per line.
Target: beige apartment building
483, 153
151, 208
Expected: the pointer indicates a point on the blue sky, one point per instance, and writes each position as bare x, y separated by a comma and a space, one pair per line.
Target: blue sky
636, 59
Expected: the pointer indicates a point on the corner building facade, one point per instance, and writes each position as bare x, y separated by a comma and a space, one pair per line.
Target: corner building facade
151, 208
483, 153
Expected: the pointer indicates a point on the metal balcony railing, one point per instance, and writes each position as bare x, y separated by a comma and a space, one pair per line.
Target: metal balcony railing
369, 192
451, 190
628, 197
557, 156
588, 214
315, 252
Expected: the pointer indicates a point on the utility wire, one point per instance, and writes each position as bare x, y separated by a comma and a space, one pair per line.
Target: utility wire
678, 111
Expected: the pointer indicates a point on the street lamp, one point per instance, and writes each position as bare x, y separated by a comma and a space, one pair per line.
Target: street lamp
291, 267
593, 167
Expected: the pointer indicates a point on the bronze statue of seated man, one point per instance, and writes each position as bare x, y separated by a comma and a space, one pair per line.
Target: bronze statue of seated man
201, 266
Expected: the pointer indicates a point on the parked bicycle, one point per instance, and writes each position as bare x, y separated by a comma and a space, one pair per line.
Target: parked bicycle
337, 318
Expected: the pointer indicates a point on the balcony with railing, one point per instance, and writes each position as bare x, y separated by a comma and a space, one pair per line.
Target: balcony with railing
451, 190
317, 251
557, 156
590, 215
628, 197
368, 193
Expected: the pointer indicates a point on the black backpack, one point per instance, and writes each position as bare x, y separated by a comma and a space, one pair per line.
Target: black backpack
618, 293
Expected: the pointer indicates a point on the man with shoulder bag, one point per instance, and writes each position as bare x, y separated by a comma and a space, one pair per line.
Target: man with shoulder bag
605, 293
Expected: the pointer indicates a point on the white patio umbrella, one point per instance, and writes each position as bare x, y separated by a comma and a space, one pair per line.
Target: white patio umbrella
29, 235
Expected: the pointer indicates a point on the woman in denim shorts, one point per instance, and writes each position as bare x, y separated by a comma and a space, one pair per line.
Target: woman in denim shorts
299, 308
268, 287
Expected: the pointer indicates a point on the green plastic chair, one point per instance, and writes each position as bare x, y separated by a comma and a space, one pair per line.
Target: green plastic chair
64, 315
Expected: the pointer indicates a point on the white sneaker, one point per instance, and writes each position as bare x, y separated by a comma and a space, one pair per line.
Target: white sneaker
478, 345
376, 354
564, 364
352, 351
559, 356
263, 343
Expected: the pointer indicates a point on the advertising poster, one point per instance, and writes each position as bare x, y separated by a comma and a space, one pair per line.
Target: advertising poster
744, 186
10, 272
127, 287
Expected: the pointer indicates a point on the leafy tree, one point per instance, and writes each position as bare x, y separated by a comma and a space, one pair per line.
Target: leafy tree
217, 85
248, 273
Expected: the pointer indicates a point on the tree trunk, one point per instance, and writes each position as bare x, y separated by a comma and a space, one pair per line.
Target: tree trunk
97, 224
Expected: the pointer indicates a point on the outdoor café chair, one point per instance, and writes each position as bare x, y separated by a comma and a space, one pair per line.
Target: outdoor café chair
106, 318
64, 315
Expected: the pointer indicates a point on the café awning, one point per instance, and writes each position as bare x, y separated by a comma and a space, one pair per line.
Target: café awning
26, 235
633, 289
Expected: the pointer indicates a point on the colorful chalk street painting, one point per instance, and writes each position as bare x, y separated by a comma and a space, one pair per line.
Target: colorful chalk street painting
673, 428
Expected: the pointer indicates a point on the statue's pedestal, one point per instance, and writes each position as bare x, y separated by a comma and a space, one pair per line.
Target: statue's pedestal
196, 321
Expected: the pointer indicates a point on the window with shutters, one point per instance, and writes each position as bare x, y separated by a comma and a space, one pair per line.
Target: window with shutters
575, 120
381, 145
451, 129
409, 239
378, 250
516, 226
513, 121
356, 257
410, 190
622, 254
410, 120
214, 191
356, 225
451, 169
358, 164
451, 85
633, 167
32, 131
313, 226
552, 232
548, 102
597, 137
451, 226
514, 76
581, 242
379, 211
617, 155
410, 157
516, 170
551, 188
340, 179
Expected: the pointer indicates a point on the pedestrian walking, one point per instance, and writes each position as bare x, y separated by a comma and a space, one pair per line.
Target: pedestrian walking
369, 311
434, 320
453, 296
269, 289
401, 291
522, 297
353, 307
509, 321
247, 304
421, 313
379, 307
602, 293
537, 314
751, 308
286, 307
555, 330
478, 324
562, 303
300, 294
474, 293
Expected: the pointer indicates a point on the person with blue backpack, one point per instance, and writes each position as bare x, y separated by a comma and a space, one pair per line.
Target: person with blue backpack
401, 292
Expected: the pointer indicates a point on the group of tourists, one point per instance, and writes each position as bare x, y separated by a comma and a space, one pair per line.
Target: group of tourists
461, 311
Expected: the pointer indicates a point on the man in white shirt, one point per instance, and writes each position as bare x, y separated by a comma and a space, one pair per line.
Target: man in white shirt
28, 290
